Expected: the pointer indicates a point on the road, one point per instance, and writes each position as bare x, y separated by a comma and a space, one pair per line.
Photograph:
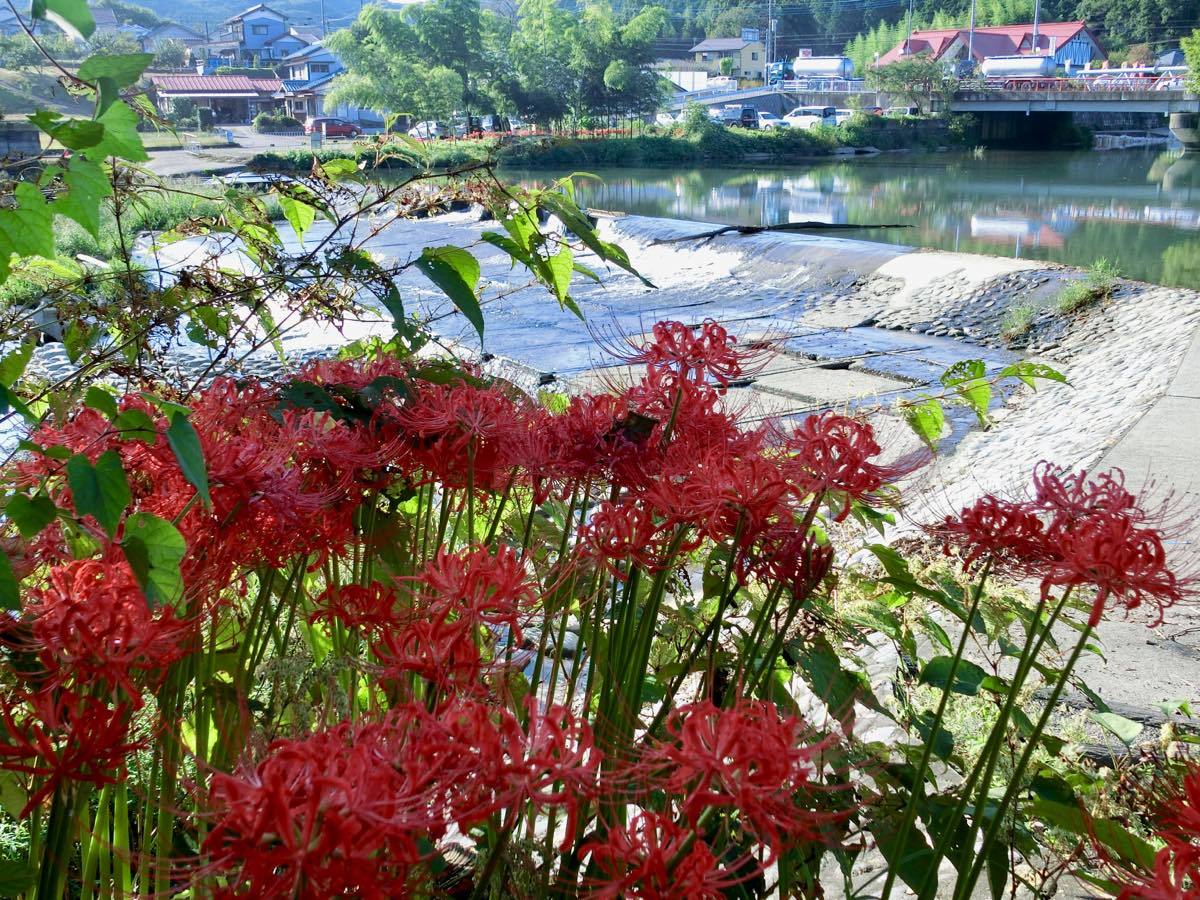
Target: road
221, 159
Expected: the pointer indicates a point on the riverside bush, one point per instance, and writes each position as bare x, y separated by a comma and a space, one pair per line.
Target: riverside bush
268, 122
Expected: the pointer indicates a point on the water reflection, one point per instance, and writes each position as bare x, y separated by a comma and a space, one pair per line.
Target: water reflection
1140, 208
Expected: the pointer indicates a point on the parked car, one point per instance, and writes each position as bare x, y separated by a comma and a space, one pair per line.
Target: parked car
770, 120
810, 116
842, 115
901, 111
332, 127
429, 131
665, 120
732, 114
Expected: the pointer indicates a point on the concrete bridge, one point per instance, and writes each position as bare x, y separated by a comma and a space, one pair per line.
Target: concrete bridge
1004, 114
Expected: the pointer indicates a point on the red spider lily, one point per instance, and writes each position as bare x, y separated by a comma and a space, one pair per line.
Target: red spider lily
639, 860
482, 761
1072, 494
694, 355
789, 556
477, 585
355, 606
748, 759
63, 737
462, 433
1120, 559
587, 439
94, 627
445, 653
326, 816
832, 452
625, 534
1181, 815
1009, 534
1176, 876
722, 495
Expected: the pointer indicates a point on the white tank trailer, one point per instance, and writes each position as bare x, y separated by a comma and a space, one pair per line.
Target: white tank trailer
1018, 67
823, 67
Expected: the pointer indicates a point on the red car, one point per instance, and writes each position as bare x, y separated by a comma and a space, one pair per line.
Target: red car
332, 128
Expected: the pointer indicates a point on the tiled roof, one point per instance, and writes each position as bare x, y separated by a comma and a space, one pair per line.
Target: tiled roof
990, 40
215, 84
258, 7
721, 44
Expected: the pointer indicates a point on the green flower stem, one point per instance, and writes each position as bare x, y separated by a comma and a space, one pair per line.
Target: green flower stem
123, 876
1034, 642
918, 789
93, 844
1014, 782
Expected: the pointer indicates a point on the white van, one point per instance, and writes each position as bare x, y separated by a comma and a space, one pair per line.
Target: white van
805, 117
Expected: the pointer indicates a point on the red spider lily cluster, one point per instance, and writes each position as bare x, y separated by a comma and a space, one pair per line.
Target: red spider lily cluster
481, 580
1176, 873
1074, 531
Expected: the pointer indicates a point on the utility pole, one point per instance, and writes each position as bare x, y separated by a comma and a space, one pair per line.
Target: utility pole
1037, 14
324, 24
908, 40
770, 32
971, 37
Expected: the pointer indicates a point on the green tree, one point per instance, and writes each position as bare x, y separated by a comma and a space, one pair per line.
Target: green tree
917, 80
386, 70
731, 22
171, 54
19, 53
113, 43
1191, 53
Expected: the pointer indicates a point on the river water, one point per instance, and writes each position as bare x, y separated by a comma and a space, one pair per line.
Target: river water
1138, 208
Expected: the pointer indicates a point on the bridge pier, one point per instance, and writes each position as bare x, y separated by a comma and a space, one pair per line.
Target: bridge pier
1186, 128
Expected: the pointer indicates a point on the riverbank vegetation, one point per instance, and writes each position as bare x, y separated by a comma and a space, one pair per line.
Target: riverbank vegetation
1098, 285
696, 141
382, 624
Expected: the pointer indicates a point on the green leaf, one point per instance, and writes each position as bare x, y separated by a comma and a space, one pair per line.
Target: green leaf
185, 444
943, 740
100, 491
155, 548
394, 303
1028, 372
576, 222
967, 677
87, 186
10, 590
75, 134
124, 69
1125, 729
967, 378
16, 877
28, 228
561, 265
926, 419
917, 863
30, 514
101, 400
121, 137
72, 16
135, 425
340, 169
997, 869
1108, 832
300, 215
12, 367
456, 272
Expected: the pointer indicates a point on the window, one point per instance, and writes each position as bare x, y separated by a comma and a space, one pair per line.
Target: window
319, 68
704, 56
258, 29
754, 56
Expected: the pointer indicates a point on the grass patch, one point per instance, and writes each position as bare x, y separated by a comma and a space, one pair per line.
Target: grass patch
1018, 319
1098, 285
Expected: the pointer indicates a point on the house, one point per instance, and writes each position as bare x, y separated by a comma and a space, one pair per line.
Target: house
105, 19
259, 36
235, 99
169, 31
1068, 42
310, 73
747, 52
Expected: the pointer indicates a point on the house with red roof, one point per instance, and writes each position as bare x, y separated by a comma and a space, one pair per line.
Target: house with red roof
234, 99
1068, 42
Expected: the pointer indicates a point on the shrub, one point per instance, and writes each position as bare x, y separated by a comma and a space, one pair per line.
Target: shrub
1098, 285
1018, 319
269, 122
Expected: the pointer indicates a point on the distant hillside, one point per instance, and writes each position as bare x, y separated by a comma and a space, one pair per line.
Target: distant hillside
303, 13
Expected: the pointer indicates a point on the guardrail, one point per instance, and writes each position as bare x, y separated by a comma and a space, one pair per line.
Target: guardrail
1106, 83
